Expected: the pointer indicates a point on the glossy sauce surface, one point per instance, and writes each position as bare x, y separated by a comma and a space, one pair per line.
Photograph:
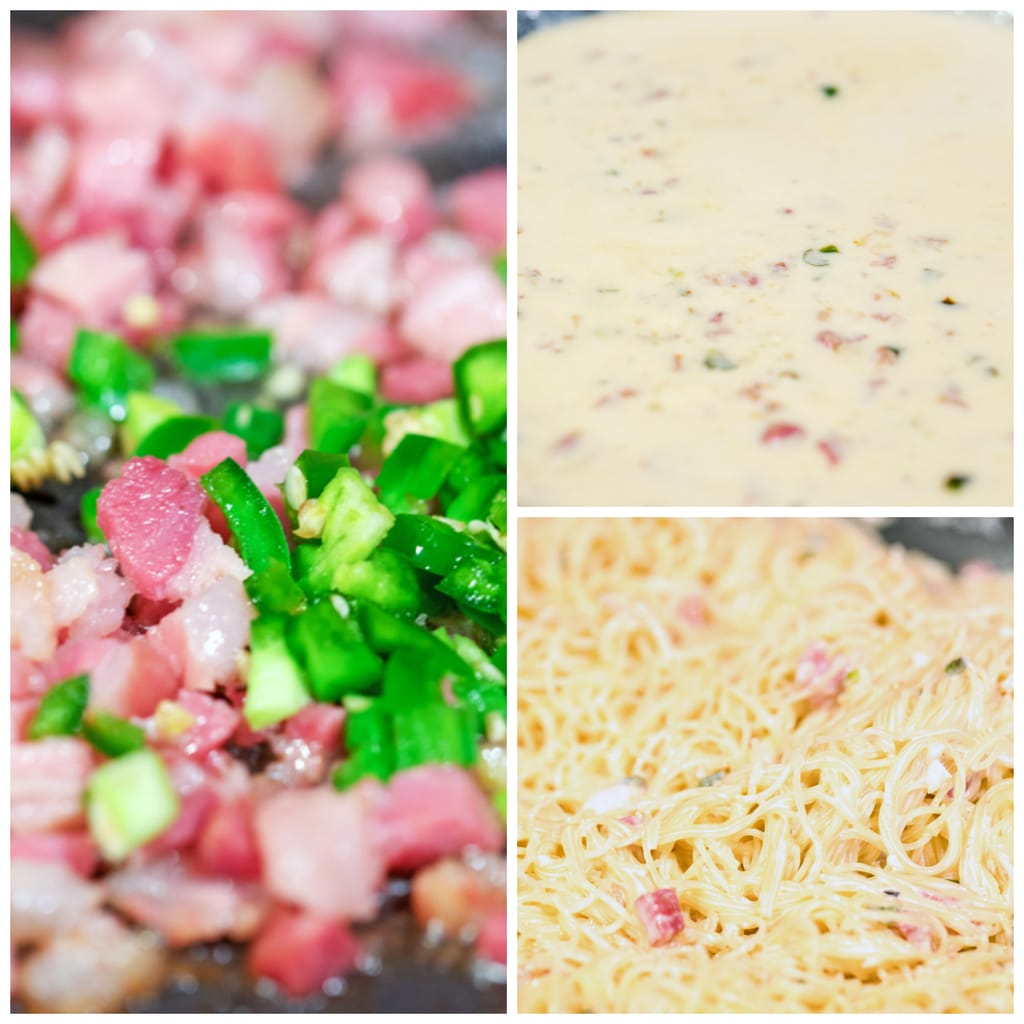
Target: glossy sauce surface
765, 259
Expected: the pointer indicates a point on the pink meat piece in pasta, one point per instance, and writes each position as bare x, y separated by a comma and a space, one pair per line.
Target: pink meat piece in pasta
660, 915
820, 676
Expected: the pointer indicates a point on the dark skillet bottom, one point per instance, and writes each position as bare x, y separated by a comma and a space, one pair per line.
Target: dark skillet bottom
404, 976
955, 541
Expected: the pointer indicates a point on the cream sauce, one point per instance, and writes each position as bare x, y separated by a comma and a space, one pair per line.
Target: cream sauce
683, 337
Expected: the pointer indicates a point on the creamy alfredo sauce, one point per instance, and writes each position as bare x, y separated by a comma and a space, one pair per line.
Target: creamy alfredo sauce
765, 259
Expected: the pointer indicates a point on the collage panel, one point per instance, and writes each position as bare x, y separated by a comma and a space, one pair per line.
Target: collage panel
764, 259
765, 765
259, 511
761, 742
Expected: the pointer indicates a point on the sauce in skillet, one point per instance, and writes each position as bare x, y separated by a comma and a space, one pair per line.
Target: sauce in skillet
765, 259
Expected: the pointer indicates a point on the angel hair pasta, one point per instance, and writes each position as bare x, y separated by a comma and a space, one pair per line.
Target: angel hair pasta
764, 765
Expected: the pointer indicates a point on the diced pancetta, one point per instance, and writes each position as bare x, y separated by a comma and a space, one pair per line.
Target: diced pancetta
478, 205
660, 914
184, 909
300, 950
431, 812
455, 308
48, 779
320, 852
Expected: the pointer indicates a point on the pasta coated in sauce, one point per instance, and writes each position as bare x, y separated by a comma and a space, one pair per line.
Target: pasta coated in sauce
791, 741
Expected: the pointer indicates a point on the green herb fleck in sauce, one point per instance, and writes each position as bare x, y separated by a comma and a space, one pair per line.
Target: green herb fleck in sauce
956, 666
710, 780
813, 258
718, 360
830, 91
957, 482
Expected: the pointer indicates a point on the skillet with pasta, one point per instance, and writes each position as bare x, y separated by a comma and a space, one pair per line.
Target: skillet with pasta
764, 765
